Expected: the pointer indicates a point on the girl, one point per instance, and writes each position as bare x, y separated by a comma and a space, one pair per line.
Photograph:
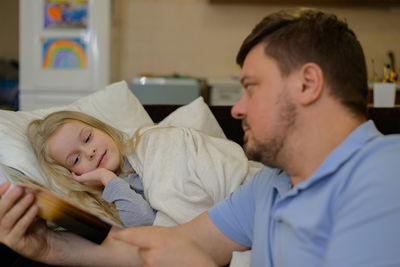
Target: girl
177, 172
70, 144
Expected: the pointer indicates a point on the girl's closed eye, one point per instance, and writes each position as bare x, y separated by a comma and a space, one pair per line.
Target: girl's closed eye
76, 159
88, 137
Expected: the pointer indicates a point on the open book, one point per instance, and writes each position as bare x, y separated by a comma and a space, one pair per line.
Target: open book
58, 210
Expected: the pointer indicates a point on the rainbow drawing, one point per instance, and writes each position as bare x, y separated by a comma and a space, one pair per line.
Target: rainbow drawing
64, 53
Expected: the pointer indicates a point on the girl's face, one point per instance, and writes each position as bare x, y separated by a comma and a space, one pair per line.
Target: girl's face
82, 148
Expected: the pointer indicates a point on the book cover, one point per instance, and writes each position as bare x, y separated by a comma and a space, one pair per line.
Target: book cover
58, 210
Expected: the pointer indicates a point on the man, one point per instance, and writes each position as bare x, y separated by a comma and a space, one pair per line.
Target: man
332, 197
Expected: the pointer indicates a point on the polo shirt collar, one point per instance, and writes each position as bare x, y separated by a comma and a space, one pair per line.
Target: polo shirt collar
353, 143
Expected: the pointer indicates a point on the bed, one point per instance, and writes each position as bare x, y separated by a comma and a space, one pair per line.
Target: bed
116, 101
117, 106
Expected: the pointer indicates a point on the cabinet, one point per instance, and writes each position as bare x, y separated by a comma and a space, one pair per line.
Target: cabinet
64, 51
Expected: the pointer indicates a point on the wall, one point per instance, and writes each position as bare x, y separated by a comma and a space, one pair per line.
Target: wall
9, 29
193, 37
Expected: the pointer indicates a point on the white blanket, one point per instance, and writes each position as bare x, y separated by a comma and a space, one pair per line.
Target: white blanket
185, 172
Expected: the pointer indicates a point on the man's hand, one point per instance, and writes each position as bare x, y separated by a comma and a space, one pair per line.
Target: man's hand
29, 236
162, 246
97, 177
19, 228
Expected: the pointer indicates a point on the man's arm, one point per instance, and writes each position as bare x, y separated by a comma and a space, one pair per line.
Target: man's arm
207, 235
28, 236
196, 243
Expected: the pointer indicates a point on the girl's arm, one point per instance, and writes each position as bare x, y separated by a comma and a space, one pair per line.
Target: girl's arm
133, 209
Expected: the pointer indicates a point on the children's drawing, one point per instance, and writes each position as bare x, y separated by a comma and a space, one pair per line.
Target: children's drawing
64, 53
65, 13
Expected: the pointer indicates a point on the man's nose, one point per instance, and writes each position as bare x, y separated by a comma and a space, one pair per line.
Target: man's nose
238, 110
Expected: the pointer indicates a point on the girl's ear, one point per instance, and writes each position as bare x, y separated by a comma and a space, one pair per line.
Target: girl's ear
312, 83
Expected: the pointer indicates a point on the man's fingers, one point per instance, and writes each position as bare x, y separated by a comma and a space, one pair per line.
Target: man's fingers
9, 200
142, 237
23, 224
14, 213
4, 187
13, 208
145, 255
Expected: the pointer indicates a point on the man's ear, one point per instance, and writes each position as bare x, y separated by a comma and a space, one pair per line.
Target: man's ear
312, 83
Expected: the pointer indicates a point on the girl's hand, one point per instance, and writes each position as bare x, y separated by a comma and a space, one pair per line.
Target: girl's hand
97, 177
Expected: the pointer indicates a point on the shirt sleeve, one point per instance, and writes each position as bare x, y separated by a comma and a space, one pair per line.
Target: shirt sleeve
133, 209
234, 216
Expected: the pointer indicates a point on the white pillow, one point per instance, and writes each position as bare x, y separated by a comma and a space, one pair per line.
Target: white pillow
197, 115
115, 105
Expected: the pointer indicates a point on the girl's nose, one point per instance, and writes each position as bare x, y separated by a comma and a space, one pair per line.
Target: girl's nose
92, 152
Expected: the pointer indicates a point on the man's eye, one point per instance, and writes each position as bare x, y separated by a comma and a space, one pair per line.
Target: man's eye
76, 159
88, 138
248, 86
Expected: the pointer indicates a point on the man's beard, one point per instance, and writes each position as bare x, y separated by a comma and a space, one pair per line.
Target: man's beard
267, 150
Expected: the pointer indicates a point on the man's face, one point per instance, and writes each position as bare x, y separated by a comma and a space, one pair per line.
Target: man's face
266, 108
82, 148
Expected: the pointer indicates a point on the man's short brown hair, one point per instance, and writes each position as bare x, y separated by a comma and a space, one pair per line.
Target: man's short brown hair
306, 35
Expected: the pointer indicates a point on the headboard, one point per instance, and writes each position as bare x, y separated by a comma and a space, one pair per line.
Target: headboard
231, 127
387, 120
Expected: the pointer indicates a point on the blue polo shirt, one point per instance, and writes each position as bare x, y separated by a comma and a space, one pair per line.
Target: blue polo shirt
346, 214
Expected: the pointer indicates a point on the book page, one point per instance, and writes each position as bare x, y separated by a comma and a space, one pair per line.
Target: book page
58, 210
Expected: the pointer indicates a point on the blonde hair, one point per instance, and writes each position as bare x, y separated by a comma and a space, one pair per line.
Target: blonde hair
59, 178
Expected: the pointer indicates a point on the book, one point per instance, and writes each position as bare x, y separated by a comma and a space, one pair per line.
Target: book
58, 210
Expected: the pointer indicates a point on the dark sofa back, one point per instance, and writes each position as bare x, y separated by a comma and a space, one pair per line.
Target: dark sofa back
387, 120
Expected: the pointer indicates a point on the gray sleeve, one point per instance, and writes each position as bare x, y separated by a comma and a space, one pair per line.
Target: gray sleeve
133, 209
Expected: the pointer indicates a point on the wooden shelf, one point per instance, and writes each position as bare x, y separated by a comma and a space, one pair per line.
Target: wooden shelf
380, 3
